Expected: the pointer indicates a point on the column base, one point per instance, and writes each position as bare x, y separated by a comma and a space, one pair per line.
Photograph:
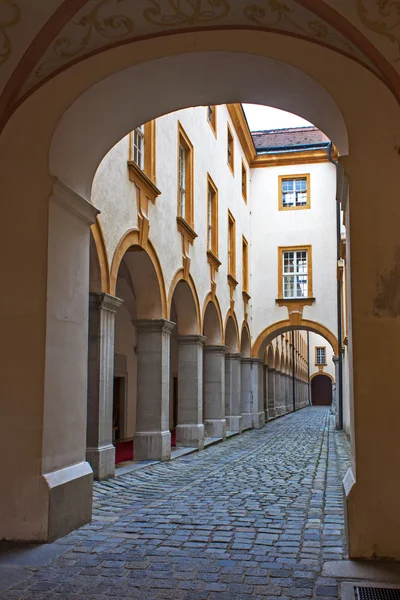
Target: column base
70, 493
152, 445
271, 414
258, 420
215, 428
102, 461
190, 436
234, 423
247, 421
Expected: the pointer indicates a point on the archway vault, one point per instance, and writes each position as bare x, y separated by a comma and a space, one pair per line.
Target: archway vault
322, 373
177, 279
279, 327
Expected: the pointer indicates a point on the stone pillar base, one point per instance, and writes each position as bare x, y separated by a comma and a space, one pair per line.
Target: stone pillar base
258, 420
271, 414
152, 445
102, 461
70, 492
247, 421
234, 423
190, 435
215, 428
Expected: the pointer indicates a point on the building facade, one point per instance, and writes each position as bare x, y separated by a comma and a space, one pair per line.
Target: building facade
219, 247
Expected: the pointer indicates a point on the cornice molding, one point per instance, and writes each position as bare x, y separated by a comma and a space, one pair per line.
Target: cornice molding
73, 202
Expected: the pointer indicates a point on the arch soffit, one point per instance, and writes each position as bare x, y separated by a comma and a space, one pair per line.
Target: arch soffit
280, 326
79, 126
365, 53
231, 314
98, 238
314, 375
210, 298
179, 276
131, 238
270, 356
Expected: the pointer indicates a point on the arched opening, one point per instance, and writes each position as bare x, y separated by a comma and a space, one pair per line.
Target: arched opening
321, 390
186, 353
79, 144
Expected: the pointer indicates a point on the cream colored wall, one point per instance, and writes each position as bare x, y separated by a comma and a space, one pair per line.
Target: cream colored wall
271, 228
113, 194
125, 342
318, 340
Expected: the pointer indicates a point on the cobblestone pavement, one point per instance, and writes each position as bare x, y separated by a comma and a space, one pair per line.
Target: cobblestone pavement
252, 518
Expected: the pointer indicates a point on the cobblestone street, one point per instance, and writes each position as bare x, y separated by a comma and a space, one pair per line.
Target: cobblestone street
254, 517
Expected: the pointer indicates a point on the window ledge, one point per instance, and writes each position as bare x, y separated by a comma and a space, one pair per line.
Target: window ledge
186, 229
232, 281
213, 259
136, 174
303, 301
246, 296
283, 208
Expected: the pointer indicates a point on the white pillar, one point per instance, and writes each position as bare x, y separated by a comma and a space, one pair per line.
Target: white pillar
233, 414
271, 393
100, 452
190, 428
152, 440
214, 391
245, 381
257, 384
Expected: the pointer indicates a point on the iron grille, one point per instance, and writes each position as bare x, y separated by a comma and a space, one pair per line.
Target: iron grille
364, 593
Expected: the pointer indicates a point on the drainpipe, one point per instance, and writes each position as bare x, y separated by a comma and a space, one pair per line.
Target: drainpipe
339, 383
293, 371
308, 369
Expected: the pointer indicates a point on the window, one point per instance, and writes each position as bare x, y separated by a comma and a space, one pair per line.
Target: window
185, 177
212, 217
138, 146
230, 149
244, 181
294, 192
212, 117
320, 355
294, 272
231, 245
245, 260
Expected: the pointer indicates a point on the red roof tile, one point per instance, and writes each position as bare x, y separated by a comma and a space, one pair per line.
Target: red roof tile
293, 136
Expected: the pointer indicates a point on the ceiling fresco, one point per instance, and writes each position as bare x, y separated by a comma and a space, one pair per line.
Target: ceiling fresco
40, 38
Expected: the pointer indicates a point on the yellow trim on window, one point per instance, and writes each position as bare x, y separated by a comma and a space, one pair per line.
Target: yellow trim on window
281, 250
280, 195
184, 141
230, 138
213, 122
214, 226
245, 264
231, 245
317, 364
244, 181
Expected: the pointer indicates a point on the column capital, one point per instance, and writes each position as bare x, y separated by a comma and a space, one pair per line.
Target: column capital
149, 325
246, 360
257, 361
216, 349
105, 301
191, 339
233, 355
74, 202
270, 369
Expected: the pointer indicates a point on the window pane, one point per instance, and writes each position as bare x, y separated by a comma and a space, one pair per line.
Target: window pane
289, 286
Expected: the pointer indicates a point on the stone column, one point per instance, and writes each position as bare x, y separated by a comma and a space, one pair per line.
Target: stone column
100, 452
190, 428
245, 380
257, 381
279, 394
214, 391
233, 414
271, 393
152, 440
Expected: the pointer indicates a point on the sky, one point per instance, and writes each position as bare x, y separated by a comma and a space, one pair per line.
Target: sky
266, 117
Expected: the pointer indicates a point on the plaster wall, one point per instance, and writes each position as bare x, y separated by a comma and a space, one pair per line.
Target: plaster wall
271, 228
125, 343
329, 368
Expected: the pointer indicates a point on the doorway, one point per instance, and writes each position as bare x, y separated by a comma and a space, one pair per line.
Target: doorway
321, 390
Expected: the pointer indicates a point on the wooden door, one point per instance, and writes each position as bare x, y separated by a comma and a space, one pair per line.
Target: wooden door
321, 390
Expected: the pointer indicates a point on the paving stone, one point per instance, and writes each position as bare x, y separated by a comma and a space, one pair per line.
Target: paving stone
254, 517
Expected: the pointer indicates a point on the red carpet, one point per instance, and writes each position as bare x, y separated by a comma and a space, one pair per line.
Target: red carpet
124, 450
